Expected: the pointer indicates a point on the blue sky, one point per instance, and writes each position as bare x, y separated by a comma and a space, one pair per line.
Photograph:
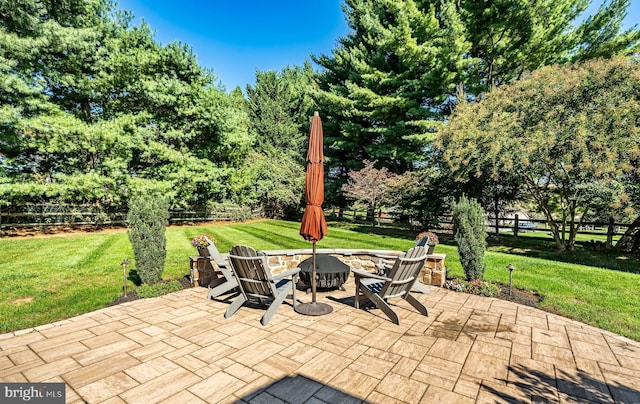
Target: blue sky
236, 38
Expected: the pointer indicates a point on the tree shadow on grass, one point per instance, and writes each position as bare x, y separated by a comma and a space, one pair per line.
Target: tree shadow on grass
389, 231
545, 248
529, 246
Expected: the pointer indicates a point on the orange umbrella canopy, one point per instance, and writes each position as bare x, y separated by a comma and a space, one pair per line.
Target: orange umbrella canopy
314, 225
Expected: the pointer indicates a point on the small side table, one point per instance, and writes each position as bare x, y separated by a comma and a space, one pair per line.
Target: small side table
201, 270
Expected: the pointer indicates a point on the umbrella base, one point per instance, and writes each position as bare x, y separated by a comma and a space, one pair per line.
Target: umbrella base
313, 309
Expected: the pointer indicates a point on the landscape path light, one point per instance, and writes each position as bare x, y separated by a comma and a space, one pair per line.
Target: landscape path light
510, 268
124, 275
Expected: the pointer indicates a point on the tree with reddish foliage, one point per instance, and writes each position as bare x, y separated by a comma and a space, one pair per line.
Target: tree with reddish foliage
369, 185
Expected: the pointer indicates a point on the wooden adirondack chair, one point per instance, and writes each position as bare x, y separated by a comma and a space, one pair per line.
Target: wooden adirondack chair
387, 263
396, 283
422, 242
257, 284
228, 282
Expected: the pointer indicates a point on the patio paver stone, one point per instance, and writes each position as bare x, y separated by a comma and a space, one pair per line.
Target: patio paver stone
179, 348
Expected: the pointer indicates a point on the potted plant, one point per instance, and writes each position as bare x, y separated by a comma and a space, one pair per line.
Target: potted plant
201, 243
433, 240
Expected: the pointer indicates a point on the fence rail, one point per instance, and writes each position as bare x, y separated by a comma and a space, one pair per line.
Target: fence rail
505, 224
54, 215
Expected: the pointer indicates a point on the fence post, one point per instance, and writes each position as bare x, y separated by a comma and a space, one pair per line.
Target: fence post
516, 225
610, 233
453, 226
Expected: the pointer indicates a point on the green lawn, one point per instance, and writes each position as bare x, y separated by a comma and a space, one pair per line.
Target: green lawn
44, 279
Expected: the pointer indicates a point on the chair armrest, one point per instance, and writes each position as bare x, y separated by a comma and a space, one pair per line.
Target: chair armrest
224, 264
383, 268
364, 274
286, 274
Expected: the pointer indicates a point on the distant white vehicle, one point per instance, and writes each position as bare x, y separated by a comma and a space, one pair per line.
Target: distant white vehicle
526, 225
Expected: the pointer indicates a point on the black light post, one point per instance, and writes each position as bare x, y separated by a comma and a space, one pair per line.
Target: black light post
124, 275
510, 268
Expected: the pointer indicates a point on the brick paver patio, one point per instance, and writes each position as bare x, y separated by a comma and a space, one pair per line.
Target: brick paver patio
179, 349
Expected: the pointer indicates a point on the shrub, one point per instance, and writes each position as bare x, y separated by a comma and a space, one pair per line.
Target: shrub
147, 220
475, 287
470, 222
158, 289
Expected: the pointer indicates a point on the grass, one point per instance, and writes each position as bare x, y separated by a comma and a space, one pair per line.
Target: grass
595, 287
45, 279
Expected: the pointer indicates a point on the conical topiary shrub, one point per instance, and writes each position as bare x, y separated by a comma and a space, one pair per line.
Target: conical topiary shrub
470, 227
147, 221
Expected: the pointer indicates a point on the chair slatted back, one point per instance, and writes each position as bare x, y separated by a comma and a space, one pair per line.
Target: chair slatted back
422, 242
404, 273
219, 260
215, 254
252, 272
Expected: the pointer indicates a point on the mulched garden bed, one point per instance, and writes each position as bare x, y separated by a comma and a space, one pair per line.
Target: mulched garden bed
133, 295
524, 297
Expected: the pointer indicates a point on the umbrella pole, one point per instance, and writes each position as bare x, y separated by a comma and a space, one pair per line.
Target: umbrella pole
313, 308
313, 275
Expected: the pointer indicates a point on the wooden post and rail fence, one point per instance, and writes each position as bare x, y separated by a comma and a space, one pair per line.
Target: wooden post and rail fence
514, 224
56, 215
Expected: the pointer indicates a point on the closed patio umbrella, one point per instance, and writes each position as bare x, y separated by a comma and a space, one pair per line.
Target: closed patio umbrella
314, 225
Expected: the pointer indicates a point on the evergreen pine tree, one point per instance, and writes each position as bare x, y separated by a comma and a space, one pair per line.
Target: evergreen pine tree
385, 83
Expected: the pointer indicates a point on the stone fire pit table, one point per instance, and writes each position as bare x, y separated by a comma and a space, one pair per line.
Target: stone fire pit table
330, 272
434, 273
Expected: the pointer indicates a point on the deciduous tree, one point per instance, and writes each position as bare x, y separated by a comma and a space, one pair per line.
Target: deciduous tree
369, 185
564, 131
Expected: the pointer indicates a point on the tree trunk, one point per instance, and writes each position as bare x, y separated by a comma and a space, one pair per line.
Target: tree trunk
531, 185
630, 241
573, 227
371, 214
496, 212
610, 233
556, 232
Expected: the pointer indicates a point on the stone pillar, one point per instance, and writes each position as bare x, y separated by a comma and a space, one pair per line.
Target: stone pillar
434, 272
202, 271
